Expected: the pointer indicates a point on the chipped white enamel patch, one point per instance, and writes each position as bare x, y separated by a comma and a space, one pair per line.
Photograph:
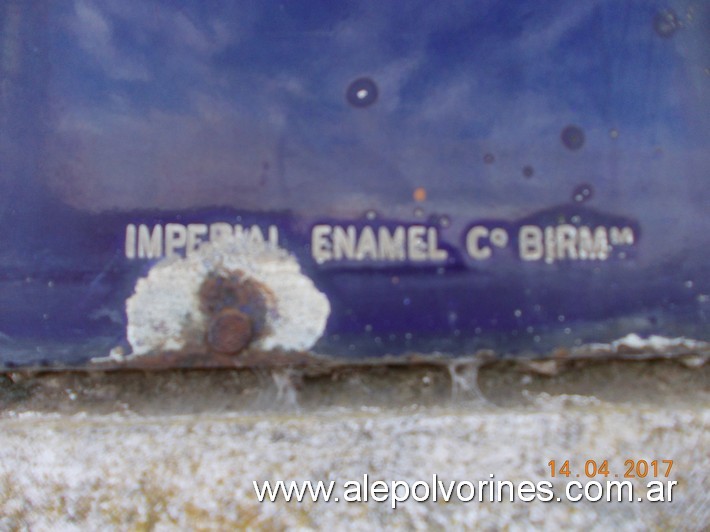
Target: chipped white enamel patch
164, 312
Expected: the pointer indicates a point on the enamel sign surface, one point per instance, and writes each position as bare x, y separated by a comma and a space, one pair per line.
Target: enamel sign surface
235, 183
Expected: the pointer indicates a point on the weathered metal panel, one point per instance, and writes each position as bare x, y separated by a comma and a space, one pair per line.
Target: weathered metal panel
201, 183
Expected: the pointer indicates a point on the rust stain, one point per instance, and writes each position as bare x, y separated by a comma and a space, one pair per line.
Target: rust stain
236, 310
248, 358
230, 332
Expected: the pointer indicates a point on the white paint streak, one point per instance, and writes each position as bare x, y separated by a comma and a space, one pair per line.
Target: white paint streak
653, 344
165, 308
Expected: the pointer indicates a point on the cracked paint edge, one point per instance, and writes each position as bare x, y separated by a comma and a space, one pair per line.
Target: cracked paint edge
164, 315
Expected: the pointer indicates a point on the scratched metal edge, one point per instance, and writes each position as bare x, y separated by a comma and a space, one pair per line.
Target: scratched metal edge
311, 364
314, 363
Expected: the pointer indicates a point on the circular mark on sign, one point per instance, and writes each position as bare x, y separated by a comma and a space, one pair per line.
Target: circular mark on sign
489, 158
222, 293
528, 171
572, 137
362, 92
666, 23
614, 133
582, 193
499, 237
419, 194
230, 331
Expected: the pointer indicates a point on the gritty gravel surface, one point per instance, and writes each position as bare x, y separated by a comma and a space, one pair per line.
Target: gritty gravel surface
179, 450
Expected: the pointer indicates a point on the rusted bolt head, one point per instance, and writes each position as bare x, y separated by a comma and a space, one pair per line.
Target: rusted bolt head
230, 331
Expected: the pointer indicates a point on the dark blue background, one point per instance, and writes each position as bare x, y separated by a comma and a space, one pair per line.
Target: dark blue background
124, 111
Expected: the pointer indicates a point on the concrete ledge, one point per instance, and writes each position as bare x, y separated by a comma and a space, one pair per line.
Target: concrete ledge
180, 450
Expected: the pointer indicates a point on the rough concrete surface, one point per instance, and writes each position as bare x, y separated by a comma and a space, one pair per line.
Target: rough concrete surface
179, 450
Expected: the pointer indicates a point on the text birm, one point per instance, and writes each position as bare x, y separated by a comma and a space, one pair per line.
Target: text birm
333, 244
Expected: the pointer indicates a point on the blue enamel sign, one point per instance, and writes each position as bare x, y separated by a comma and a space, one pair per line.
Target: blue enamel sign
189, 183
